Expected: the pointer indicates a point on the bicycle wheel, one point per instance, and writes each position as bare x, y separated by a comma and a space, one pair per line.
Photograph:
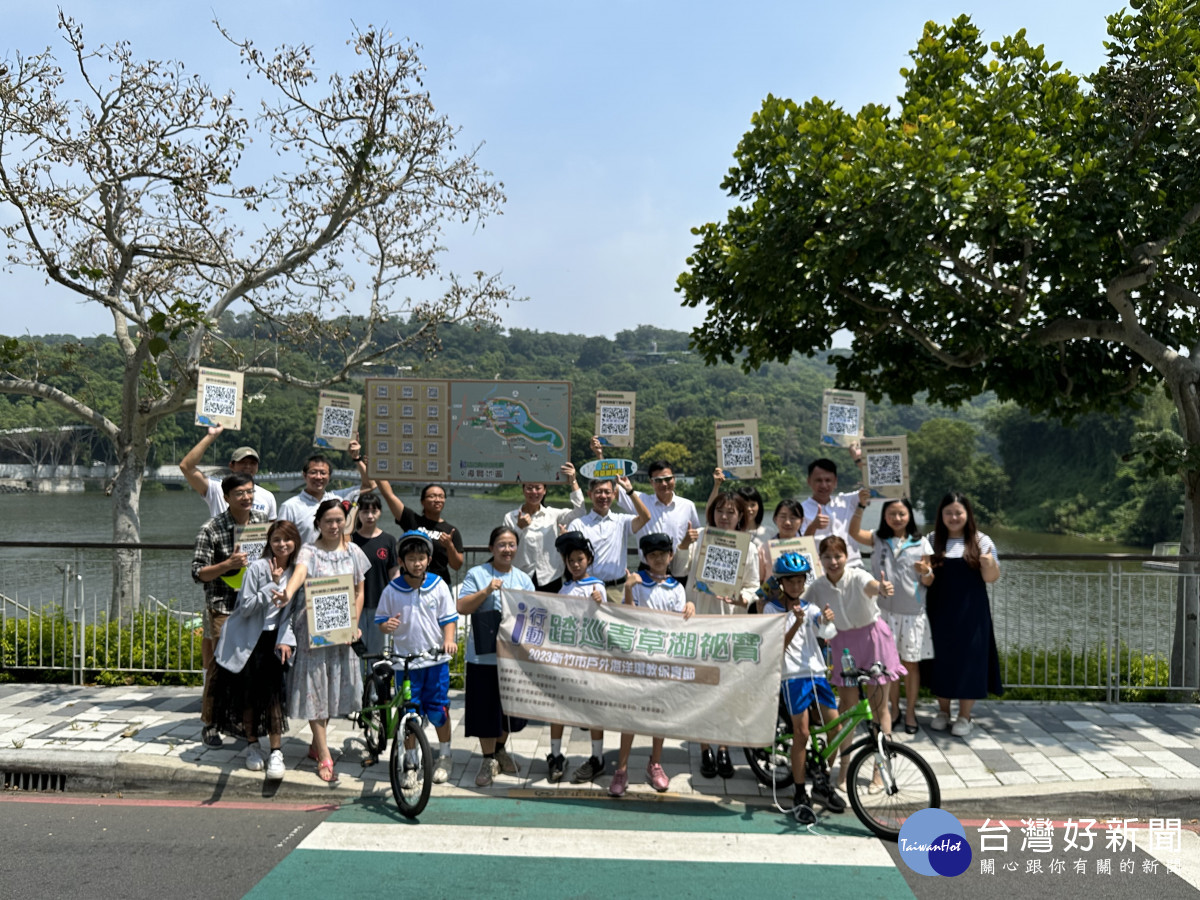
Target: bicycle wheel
906, 784
373, 717
412, 778
773, 764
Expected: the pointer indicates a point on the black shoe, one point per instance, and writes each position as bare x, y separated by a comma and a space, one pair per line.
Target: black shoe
556, 765
803, 811
708, 763
828, 797
724, 764
589, 769
210, 736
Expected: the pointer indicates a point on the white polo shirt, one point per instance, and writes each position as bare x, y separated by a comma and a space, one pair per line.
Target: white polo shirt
671, 519
840, 510
536, 556
610, 542
301, 509
264, 500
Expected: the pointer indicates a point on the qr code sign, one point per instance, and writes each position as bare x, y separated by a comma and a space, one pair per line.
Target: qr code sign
337, 422
842, 419
331, 611
614, 420
721, 565
883, 469
737, 451
219, 400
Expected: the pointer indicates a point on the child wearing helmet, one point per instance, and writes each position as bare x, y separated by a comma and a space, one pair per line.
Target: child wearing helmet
804, 679
417, 610
578, 581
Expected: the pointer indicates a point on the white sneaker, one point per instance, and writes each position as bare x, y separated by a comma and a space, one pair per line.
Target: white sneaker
275, 766
962, 727
254, 758
940, 722
408, 780
441, 769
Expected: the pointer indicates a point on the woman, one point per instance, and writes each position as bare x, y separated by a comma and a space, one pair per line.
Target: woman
325, 682
539, 527
447, 542
247, 690
966, 665
726, 511
479, 597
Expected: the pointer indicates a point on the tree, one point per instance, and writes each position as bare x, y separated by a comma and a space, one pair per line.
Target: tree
1006, 226
944, 456
132, 195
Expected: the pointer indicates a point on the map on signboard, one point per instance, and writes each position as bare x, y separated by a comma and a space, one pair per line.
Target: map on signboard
512, 431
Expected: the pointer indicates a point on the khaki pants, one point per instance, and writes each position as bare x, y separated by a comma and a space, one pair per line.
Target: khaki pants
213, 623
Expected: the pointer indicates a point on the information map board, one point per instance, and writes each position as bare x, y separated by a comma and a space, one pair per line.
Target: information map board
495, 432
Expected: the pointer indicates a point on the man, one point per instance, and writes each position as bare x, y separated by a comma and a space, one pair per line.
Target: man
609, 533
244, 460
216, 557
826, 513
669, 515
537, 526
301, 509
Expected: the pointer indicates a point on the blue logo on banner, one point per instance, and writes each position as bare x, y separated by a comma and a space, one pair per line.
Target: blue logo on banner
933, 842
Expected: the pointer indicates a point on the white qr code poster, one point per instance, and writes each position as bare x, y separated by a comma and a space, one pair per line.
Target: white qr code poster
885, 466
337, 420
842, 417
805, 546
329, 602
219, 398
251, 539
720, 561
738, 452
614, 417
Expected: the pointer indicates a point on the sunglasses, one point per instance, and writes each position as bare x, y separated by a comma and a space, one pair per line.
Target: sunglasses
662, 479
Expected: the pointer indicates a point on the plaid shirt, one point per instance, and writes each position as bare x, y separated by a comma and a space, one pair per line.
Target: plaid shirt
214, 544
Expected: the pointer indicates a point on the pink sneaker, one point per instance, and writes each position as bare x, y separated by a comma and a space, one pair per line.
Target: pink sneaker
620, 781
657, 777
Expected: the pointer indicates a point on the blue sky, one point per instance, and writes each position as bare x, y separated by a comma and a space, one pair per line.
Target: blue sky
611, 125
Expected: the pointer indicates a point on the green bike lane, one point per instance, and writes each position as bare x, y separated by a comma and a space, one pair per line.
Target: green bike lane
536, 847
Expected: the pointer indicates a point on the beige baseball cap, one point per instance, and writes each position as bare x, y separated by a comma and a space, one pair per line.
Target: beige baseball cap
242, 452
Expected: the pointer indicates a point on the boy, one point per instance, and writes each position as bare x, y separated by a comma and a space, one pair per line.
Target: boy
576, 552
417, 609
380, 550
804, 673
653, 588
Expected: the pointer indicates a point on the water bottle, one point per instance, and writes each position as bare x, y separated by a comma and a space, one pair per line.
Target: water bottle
827, 651
848, 667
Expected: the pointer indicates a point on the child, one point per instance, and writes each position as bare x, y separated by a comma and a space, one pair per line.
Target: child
577, 555
851, 592
416, 608
789, 516
653, 588
804, 672
380, 550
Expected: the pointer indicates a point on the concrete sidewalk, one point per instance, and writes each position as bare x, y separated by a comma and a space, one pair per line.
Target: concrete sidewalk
1023, 758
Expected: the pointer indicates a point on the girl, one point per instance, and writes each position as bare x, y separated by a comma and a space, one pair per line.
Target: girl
966, 665
789, 515
326, 682
479, 597
247, 691
850, 592
726, 511
901, 557
651, 588
577, 555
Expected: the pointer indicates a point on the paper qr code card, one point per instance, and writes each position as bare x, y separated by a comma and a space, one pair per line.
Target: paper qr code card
719, 563
251, 539
885, 466
337, 419
329, 605
738, 451
219, 398
842, 414
614, 417
805, 546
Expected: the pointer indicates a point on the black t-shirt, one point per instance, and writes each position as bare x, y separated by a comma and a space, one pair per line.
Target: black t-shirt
411, 521
381, 553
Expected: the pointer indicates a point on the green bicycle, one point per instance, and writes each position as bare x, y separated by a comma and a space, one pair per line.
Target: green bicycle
396, 718
887, 782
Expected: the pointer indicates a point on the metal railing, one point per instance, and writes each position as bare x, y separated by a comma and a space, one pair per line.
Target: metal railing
1098, 623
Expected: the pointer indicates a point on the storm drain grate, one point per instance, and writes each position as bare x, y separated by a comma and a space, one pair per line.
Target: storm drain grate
35, 781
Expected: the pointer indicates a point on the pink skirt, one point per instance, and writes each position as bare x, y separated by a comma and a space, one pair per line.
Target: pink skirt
869, 644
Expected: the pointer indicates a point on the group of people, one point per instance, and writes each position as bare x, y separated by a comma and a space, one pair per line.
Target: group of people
922, 599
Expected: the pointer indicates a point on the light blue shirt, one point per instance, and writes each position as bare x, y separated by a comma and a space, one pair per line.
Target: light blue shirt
479, 578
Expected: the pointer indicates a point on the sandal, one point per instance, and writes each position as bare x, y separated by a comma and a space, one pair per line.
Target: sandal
312, 753
325, 771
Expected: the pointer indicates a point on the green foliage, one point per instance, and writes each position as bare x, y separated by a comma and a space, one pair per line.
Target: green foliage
677, 455
944, 456
1142, 678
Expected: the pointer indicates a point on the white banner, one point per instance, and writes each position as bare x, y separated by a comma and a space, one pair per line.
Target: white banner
576, 662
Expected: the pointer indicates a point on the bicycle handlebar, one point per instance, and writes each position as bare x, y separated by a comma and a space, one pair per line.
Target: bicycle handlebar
863, 676
393, 656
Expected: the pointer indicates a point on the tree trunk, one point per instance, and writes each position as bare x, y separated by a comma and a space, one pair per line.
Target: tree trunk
1185, 648
127, 527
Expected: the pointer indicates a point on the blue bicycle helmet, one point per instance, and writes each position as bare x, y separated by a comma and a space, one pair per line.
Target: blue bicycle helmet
791, 563
410, 538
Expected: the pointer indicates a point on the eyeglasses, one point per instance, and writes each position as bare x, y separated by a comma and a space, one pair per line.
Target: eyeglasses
246, 493
662, 479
